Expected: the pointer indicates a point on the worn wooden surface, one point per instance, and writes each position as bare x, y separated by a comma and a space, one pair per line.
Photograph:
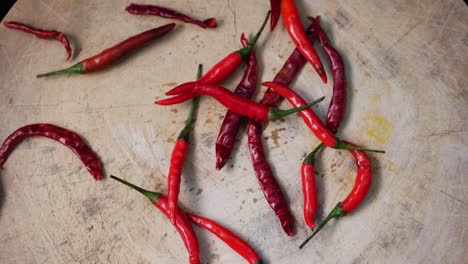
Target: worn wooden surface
407, 65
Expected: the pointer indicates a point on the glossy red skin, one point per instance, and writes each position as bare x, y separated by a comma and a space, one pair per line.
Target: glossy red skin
228, 237
62, 135
230, 100
310, 118
222, 69
275, 13
309, 190
169, 13
361, 184
175, 174
184, 228
43, 34
337, 108
296, 32
231, 123
111, 55
270, 187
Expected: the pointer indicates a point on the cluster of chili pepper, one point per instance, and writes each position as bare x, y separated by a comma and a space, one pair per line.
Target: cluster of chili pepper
240, 107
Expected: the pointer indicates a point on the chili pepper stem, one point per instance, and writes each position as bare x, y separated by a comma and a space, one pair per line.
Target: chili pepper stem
152, 196
335, 213
276, 113
342, 145
186, 130
311, 157
245, 52
77, 68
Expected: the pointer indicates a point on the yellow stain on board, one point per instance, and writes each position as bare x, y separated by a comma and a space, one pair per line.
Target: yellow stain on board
378, 127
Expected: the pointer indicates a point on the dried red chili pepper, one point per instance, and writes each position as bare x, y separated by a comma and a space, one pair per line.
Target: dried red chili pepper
270, 187
178, 157
309, 189
231, 123
233, 102
182, 223
356, 196
226, 66
62, 135
312, 120
294, 27
337, 108
108, 56
160, 11
43, 34
275, 13
226, 235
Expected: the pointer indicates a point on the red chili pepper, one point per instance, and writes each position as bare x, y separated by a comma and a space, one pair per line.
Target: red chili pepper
231, 123
226, 235
312, 120
275, 13
43, 34
169, 13
111, 55
309, 189
233, 102
182, 223
337, 108
270, 187
294, 27
357, 194
178, 157
62, 135
226, 66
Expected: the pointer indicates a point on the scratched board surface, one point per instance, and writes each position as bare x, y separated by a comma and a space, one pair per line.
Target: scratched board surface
407, 74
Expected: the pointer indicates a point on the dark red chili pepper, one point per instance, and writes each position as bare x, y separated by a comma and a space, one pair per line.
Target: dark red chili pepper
231, 123
226, 235
43, 34
178, 157
270, 187
312, 120
62, 135
275, 13
337, 108
233, 102
111, 55
138, 9
182, 223
309, 189
294, 27
226, 66
356, 196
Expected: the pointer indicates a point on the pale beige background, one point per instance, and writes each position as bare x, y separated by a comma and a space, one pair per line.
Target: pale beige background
407, 67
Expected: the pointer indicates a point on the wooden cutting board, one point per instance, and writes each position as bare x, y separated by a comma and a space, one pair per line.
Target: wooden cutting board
408, 94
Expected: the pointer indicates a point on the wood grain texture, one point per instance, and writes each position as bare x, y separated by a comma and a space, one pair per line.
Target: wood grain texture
408, 86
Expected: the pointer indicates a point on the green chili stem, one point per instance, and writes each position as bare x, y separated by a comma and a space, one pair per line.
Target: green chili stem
276, 113
185, 132
152, 196
341, 145
311, 157
77, 68
245, 52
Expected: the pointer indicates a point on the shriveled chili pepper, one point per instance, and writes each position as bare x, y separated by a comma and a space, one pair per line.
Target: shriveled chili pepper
233, 102
62, 135
312, 120
270, 187
294, 27
337, 108
178, 157
356, 196
309, 189
160, 11
231, 123
226, 235
43, 34
108, 56
275, 13
229, 64
182, 223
